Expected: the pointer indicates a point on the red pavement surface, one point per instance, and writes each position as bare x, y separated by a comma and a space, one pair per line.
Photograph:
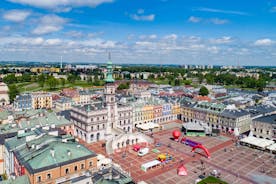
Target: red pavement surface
236, 164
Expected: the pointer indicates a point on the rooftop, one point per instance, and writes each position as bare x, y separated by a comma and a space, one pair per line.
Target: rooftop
49, 152
267, 119
234, 113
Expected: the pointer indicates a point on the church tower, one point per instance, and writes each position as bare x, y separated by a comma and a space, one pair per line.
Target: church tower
110, 97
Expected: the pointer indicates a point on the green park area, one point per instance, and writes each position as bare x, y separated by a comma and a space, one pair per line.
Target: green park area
211, 179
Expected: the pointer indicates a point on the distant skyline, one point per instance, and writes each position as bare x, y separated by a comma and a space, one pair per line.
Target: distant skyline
237, 32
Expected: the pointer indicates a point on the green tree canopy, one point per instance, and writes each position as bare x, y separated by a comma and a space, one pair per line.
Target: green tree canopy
123, 86
13, 91
52, 82
203, 91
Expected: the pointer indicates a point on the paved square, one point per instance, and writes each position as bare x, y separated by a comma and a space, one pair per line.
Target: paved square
236, 164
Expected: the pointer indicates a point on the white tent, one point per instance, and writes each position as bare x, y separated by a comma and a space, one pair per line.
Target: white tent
148, 126
272, 147
262, 143
150, 164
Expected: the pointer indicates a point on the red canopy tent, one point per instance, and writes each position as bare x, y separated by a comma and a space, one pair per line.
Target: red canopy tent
136, 147
182, 171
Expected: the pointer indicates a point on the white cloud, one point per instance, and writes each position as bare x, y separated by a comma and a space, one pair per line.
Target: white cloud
54, 41
213, 49
222, 40
150, 37
60, 4
153, 36
168, 48
170, 37
49, 24
149, 17
264, 42
221, 11
194, 19
218, 21
16, 15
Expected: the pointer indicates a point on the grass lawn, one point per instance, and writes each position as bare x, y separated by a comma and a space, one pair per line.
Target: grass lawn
211, 179
165, 81
33, 86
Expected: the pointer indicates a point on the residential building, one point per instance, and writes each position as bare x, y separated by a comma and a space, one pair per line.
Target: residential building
216, 116
45, 69
63, 104
4, 95
23, 102
41, 100
48, 158
265, 127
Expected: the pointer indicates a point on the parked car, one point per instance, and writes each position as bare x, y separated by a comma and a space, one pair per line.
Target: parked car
143, 152
158, 144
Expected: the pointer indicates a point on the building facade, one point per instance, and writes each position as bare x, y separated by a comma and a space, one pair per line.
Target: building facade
51, 159
216, 116
265, 127
4, 95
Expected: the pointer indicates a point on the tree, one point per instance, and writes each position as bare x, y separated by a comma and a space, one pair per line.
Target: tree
89, 80
13, 91
10, 79
52, 82
72, 78
187, 82
62, 81
26, 77
41, 80
177, 82
123, 86
203, 91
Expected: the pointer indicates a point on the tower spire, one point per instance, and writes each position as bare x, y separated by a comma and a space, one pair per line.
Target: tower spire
109, 56
109, 77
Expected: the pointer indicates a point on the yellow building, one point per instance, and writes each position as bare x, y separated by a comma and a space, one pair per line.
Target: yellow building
41, 100
176, 109
147, 113
43, 69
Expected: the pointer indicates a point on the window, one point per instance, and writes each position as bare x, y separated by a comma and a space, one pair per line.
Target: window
38, 179
49, 176
66, 171
90, 164
82, 166
76, 168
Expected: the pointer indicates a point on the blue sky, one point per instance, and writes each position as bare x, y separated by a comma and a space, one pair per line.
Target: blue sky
140, 31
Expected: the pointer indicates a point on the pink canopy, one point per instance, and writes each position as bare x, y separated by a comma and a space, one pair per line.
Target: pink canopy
182, 171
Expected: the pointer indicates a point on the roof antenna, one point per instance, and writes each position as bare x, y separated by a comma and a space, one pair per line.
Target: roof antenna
109, 56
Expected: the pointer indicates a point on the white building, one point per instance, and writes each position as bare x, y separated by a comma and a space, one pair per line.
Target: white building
4, 94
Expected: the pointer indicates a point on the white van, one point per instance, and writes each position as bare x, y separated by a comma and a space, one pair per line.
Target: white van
143, 152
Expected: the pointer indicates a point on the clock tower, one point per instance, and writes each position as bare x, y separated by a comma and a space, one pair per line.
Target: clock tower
110, 98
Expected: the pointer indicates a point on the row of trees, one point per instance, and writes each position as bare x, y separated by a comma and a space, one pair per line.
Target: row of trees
243, 82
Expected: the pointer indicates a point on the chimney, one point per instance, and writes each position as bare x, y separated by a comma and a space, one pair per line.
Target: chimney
52, 152
68, 153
